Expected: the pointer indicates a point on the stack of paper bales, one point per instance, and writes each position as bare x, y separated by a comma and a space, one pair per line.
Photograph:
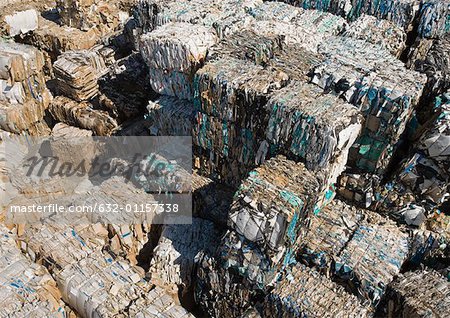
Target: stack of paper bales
24, 96
369, 77
28, 290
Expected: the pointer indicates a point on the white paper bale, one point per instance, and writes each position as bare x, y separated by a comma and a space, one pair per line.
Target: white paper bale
22, 22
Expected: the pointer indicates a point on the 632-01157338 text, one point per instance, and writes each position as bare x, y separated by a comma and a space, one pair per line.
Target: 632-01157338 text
153, 207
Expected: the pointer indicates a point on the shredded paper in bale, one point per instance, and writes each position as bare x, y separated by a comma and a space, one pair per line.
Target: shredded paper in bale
305, 293
315, 127
295, 61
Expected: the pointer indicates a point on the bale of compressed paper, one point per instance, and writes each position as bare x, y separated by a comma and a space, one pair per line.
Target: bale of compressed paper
380, 32
27, 290
436, 65
61, 245
169, 116
369, 77
82, 115
21, 22
105, 16
75, 77
271, 205
230, 95
401, 12
423, 293
319, 129
372, 257
227, 139
308, 30
423, 174
77, 72
179, 250
305, 293
77, 232
235, 90
173, 53
111, 286
434, 18
426, 172
157, 303
220, 292
250, 264
56, 39
23, 93
211, 200
246, 44
177, 46
328, 233
19, 118
277, 11
81, 268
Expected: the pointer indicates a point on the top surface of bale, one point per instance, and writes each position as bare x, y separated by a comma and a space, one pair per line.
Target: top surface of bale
305, 292
311, 101
382, 32
177, 46
424, 293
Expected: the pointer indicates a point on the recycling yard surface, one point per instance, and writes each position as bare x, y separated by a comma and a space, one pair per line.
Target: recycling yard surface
268, 158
